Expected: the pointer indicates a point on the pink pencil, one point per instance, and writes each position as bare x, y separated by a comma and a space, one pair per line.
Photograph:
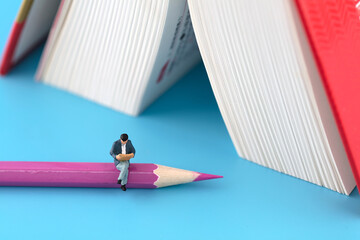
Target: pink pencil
104, 175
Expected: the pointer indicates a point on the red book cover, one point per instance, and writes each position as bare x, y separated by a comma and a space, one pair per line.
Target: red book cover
7, 60
333, 30
30, 29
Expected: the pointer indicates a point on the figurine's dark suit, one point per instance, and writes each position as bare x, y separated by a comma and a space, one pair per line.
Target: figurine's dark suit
122, 166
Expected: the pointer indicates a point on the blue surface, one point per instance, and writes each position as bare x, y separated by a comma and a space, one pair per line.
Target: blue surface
40, 123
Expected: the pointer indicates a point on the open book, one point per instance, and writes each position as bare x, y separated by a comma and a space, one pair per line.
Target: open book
121, 54
285, 76
284, 72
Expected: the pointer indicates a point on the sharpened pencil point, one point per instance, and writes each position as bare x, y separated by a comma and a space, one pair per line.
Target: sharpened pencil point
204, 176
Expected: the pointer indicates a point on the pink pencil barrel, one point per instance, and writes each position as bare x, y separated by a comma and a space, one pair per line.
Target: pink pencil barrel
82, 174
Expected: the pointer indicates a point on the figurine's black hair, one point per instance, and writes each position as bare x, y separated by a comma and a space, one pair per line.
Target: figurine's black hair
124, 137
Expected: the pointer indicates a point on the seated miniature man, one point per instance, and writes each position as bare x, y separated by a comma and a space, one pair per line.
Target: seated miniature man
122, 151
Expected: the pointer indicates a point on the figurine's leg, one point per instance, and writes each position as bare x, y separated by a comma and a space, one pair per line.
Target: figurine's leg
119, 167
123, 168
126, 173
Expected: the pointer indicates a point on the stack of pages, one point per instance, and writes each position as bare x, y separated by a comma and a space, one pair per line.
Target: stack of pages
284, 72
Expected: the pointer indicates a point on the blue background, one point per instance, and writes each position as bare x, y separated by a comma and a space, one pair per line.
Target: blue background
40, 123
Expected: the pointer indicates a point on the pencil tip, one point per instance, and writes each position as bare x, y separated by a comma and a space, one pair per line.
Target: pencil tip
205, 176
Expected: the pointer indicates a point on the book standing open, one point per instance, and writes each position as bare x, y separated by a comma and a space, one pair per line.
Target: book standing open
283, 72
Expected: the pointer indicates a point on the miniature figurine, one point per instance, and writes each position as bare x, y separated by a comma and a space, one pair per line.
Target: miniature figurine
122, 151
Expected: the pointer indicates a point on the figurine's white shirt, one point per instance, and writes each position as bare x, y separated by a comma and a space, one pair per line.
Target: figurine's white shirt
123, 148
